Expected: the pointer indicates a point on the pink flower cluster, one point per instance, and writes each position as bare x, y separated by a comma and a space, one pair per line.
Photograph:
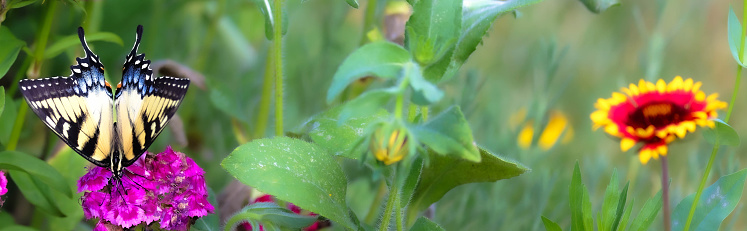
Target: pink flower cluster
3, 186
168, 187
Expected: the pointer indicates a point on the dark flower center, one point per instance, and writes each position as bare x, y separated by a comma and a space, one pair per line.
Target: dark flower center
659, 114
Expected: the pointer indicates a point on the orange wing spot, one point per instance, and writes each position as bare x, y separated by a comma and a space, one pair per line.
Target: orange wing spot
119, 85
107, 84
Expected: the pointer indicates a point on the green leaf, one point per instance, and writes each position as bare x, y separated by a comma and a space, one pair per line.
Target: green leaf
621, 209
17, 228
647, 214
265, 7
722, 133
21, 3
424, 224
381, 59
9, 50
580, 203
36, 192
272, 215
609, 206
38, 169
715, 204
477, 18
734, 30
6, 218
424, 92
352, 3
598, 6
448, 134
338, 137
624, 222
432, 32
7, 119
295, 171
368, 103
71, 166
70, 41
550, 225
2, 100
444, 173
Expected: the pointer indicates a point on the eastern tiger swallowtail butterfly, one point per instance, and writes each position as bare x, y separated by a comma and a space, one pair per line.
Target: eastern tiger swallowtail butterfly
81, 109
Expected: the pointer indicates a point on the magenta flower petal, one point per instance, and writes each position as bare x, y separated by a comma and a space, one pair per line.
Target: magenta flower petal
3, 183
95, 179
95, 204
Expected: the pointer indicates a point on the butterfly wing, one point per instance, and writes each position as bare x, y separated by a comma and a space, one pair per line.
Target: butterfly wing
144, 104
77, 108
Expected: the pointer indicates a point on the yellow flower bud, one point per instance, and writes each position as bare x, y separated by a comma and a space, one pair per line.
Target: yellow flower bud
389, 147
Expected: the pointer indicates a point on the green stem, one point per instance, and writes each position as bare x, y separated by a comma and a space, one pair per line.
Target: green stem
391, 203
424, 112
39, 47
737, 81
380, 193
202, 58
665, 193
263, 113
398, 212
277, 29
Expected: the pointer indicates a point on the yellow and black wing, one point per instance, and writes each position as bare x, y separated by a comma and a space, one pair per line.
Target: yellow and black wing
77, 108
144, 104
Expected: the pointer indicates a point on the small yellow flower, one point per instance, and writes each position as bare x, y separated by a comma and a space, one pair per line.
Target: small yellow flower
390, 148
655, 114
557, 127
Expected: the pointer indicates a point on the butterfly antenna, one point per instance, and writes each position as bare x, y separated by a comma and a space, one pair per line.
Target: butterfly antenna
128, 177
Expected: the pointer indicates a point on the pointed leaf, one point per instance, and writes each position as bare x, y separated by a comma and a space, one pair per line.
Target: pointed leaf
734, 30
352, 3
550, 225
609, 206
381, 59
2, 100
444, 173
36, 192
424, 224
36, 168
722, 134
598, 6
715, 204
477, 17
579, 201
448, 134
424, 92
368, 103
71, 167
9, 50
433, 30
71, 41
265, 7
621, 209
647, 214
294, 171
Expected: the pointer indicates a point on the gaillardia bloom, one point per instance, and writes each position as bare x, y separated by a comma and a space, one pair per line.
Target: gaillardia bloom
168, 188
655, 114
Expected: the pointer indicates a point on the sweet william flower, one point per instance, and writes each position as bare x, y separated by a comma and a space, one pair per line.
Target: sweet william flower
168, 188
655, 114
3, 186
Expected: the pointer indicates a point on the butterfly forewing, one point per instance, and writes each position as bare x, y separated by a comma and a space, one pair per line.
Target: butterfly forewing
144, 104
77, 108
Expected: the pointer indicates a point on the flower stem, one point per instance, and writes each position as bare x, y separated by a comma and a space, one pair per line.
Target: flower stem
277, 29
665, 192
392, 204
368, 19
264, 105
737, 81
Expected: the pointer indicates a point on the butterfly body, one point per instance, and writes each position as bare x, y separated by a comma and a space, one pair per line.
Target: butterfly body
81, 109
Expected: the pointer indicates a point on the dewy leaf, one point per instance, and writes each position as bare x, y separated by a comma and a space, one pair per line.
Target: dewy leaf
448, 134
423, 224
36, 168
647, 214
715, 204
294, 171
447, 172
734, 30
598, 6
550, 225
73, 41
381, 59
339, 138
477, 18
8, 50
722, 133
424, 92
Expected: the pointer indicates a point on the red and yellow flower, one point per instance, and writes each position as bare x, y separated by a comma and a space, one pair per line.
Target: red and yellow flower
655, 114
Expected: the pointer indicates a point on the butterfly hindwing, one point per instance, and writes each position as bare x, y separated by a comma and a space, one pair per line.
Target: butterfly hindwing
77, 108
144, 104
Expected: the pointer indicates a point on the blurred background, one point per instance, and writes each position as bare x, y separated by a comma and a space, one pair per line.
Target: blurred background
539, 70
